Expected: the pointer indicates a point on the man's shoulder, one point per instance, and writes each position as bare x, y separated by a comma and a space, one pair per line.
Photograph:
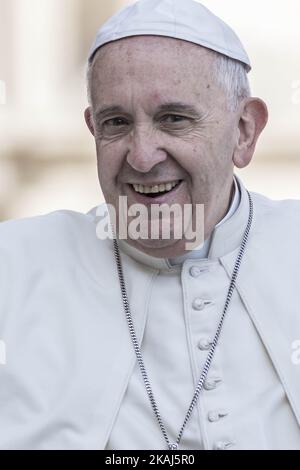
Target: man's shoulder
285, 208
277, 223
58, 232
42, 227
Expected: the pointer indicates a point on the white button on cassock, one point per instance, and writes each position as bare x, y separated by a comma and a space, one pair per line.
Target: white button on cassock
204, 344
212, 383
198, 304
224, 445
195, 271
216, 415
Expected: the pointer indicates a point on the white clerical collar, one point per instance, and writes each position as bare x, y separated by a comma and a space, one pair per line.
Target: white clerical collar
202, 251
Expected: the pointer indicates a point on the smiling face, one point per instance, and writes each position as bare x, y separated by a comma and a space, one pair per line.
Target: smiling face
159, 118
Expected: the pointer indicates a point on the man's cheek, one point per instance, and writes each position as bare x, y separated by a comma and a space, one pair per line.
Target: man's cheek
107, 172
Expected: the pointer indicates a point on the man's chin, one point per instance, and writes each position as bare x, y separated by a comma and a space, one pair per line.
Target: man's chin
159, 248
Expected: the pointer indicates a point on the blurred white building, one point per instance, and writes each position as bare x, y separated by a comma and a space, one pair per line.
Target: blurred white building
47, 157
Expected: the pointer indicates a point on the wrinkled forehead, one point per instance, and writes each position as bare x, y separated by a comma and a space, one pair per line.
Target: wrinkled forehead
151, 61
156, 48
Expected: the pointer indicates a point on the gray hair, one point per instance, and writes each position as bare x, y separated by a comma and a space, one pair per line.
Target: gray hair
231, 75
89, 71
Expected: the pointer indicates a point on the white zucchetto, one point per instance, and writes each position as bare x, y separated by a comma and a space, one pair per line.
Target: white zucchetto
181, 19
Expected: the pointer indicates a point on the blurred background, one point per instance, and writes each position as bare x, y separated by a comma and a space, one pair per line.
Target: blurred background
47, 156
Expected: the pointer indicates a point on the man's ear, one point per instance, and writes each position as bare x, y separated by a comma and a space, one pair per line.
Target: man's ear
253, 119
88, 115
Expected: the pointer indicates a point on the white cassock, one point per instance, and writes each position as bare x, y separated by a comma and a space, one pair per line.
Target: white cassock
71, 381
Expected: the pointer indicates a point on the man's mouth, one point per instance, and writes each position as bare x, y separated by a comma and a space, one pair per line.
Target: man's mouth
155, 190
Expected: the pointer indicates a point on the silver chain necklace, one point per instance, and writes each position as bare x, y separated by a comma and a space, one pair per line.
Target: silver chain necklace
174, 446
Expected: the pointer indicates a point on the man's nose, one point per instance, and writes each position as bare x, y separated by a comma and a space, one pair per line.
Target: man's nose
144, 151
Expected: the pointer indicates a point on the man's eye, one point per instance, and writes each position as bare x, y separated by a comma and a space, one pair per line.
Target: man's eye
115, 122
173, 118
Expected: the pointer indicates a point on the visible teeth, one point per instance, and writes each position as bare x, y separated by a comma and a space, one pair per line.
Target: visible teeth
161, 188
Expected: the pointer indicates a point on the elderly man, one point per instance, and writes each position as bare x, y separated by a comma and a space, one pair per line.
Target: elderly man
137, 342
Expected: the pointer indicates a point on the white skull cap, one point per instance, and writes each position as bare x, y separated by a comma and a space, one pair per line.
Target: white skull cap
181, 19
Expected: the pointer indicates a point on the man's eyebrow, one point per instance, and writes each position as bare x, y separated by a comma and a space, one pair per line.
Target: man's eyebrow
107, 111
176, 106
